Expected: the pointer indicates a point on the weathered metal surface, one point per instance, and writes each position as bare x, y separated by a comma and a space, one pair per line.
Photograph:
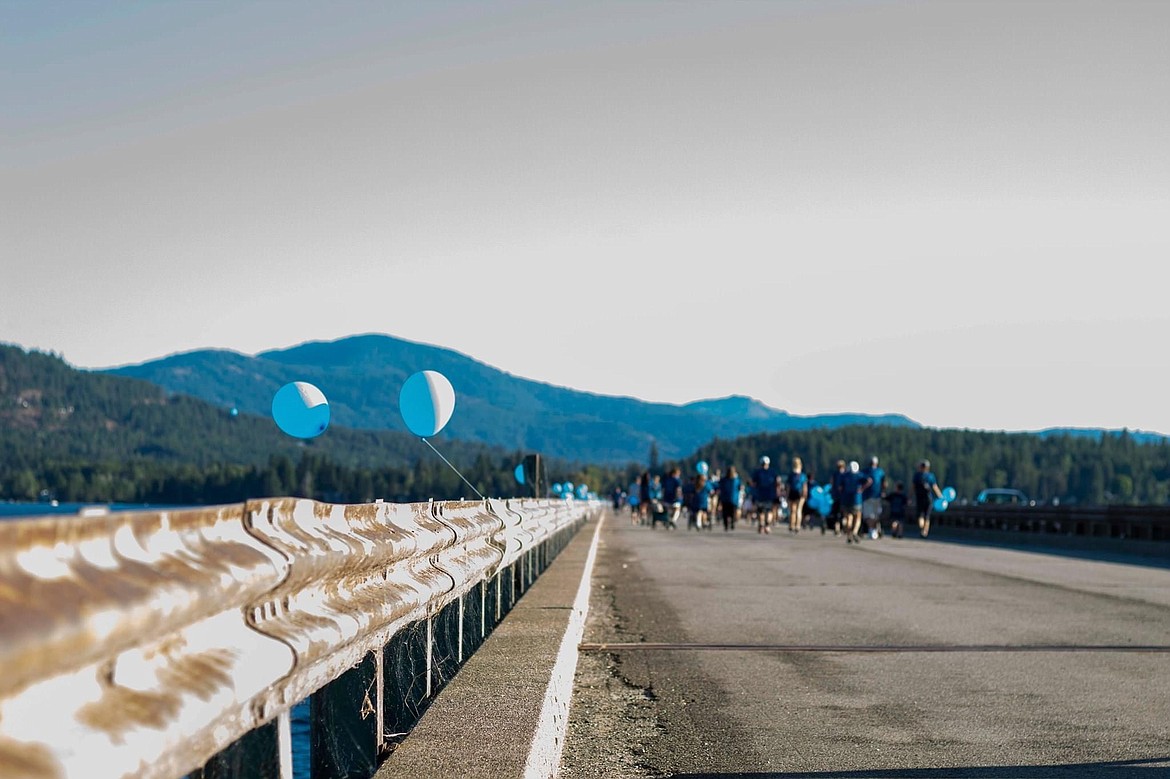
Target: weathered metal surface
141, 645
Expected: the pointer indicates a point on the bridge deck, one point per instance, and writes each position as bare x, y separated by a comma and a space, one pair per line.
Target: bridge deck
721, 709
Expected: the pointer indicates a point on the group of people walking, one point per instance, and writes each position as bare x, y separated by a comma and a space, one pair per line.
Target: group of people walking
856, 501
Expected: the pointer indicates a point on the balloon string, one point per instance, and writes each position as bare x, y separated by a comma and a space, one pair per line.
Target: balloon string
452, 467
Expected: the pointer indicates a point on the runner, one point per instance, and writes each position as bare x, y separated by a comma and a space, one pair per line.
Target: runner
765, 494
730, 497
835, 486
871, 498
672, 495
852, 485
925, 491
797, 494
897, 500
701, 503
644, 497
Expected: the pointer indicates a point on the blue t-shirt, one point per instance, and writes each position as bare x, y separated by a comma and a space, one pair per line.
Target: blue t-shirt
670, 488
729, 490
851, 488
924, 482
874, 490
702, 497
835, 486
796, 482
764, 485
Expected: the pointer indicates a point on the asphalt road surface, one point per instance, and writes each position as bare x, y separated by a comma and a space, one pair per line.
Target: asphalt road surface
754, 676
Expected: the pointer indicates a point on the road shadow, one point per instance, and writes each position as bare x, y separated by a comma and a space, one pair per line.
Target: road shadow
1148, 559
1113, 769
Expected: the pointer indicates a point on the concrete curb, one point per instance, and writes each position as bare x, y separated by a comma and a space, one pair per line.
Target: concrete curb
505, 712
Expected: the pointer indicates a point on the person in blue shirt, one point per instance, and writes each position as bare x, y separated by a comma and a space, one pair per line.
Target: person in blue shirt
764, 494
835, 485
672, 495
852, 484
797, 494
925, 491
700, 503
897, 500
871, 498
729, 498
644, 497
713, 496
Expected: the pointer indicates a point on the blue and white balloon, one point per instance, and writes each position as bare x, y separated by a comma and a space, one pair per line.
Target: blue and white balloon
519, 473
427, 401
558, 489
300, 410
940, 504
702, 468
949, 494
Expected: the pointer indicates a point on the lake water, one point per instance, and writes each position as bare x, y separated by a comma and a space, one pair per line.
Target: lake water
24, 510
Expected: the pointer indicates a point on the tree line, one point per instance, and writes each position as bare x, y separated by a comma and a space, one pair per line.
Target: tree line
312, 475
1068, 468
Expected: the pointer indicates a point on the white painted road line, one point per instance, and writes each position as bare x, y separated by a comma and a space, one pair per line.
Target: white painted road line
544, 757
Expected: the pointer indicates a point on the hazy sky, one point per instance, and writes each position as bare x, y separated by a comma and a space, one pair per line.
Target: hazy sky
955, 211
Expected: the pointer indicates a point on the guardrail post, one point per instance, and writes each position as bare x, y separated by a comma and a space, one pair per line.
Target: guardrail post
255, 754
405, 689
344, 731
446, 632
473, 621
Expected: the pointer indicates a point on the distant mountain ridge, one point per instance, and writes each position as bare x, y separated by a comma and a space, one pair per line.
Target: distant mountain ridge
1139, 436
361, 376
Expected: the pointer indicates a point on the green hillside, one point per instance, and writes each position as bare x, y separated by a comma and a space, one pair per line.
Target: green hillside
91, 436
361, 376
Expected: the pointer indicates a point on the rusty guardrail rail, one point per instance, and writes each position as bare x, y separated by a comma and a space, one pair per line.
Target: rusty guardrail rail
174, 643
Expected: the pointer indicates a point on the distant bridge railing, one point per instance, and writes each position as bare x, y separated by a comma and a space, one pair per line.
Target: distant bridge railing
176, 643
1137, 523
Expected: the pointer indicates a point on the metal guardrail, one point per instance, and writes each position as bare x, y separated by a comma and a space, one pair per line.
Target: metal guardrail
1139, 523
153, 645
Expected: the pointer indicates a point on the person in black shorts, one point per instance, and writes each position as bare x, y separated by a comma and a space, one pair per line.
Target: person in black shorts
729, 498
898, 500
925, 491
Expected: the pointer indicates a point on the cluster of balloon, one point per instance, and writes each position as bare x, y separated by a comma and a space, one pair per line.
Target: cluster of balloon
300, 410
820, 501
582, 491
948, 497
426, 401
702, 468
566, 490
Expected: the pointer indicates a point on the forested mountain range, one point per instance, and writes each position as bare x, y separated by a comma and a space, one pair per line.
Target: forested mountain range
361, 377
87, 436
90, 436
